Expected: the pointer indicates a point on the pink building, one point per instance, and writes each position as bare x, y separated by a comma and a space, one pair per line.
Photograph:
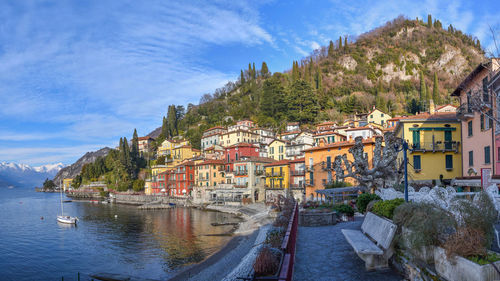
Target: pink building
494, 89
478, 134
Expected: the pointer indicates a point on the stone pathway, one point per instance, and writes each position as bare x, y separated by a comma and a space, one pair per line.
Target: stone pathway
324, 254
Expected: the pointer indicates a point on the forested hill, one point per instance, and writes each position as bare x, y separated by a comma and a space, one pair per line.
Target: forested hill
397, 67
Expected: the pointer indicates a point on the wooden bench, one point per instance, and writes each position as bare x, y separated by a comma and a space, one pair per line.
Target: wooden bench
373, 243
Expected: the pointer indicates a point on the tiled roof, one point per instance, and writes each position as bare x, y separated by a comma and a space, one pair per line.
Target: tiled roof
211, 161
278, 163
145, 138
438, 116
242, 144
360, 128
298, 160
469, 77
443, 106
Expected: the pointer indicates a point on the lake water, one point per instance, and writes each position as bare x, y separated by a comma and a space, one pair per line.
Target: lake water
144, 243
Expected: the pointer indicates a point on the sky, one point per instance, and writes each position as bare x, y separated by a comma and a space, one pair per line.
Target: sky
75, 76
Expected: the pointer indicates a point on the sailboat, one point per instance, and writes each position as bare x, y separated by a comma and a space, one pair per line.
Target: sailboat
62, 218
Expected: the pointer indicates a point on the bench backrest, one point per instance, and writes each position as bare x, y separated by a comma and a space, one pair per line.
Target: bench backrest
379, 229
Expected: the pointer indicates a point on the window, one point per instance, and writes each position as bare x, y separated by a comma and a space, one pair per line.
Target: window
469, 128
328, 162
482, 122
498, 154
449, 162
382, 115
310, 163
417, 163
471, 158
486, 97
487, 157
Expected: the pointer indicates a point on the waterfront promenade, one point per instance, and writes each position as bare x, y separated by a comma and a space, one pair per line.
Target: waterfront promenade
324, 254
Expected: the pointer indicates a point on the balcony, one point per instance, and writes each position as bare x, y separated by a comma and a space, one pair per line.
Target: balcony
240, 173
297, 186
309, 183
465, 112
326, 166
298, 172
259, 172
438, 146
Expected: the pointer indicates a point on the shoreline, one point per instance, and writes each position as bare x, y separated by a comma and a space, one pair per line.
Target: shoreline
235, 252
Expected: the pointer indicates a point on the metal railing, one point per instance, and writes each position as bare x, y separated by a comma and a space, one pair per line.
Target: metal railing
465, 111
437, 146
298, 172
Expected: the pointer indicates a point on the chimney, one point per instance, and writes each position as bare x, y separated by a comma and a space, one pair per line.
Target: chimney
432, 107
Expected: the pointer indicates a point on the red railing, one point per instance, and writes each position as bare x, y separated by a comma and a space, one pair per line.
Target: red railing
288, 246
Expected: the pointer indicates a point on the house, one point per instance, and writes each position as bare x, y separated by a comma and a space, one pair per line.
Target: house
278, 174
66, 183
494, 90
243, 125
446, 108
181, 153
318, 164
233, 137
249, 173
434, 153
210, 173
184, 177
266, 136
476, 128
277, 149
236, 152
211, 137
297, 173
167, 146
295, 148
377, 117
365, 132
328, 137
325, 126
144, 144
292, 126
215, 152
392, 123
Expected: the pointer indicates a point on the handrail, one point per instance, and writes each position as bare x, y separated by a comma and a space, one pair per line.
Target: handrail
288, 246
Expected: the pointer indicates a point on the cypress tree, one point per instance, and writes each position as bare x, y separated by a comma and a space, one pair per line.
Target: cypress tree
242, 77
429, 21
250, 75
331, 49
435, 90
164, 128
264, 71
423, 93
254, 73
345, 42
340, 42
318, 79
134, 152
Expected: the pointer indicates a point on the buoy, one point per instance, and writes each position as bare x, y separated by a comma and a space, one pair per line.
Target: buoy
116, 216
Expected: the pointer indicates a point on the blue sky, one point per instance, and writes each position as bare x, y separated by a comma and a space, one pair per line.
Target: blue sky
75, 76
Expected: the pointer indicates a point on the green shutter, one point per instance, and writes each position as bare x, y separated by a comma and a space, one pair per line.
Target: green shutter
449, 162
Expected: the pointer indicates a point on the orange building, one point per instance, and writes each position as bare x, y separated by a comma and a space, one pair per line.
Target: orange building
319, 160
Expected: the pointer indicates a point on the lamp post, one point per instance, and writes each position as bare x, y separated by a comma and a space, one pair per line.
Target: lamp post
404, 148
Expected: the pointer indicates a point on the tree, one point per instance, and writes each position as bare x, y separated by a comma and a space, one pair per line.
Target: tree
302, 103
345, 42
340, 42
254, 72
138, 185
165, 133
331, 49
295, 71
429, 21
264, 71
48, 184
384, 165
435, 90
423, 89
242, 78
272, 100
172, 120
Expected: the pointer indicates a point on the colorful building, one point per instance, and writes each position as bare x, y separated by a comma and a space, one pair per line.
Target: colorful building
181, 153
184, 176
365, 132
434, 146
277, 150
477, 129
212, 137
318, 164
210, 173
326, 126
494, 90
238, 136
328, 137
377, 117
144, 144
278, 174
66, 183
236, 152
297, 173
295, 148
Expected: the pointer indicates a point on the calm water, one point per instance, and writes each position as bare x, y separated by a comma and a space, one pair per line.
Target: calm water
148, 244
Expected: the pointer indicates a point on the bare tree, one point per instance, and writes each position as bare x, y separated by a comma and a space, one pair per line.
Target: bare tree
384, 165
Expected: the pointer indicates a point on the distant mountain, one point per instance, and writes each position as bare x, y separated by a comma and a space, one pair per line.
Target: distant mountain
75, 168
155, 133
26, 176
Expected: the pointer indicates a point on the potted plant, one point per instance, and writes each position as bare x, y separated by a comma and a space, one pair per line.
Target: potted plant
346, 212
268, 264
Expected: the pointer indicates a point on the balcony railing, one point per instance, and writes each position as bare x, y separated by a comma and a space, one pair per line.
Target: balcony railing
259, 172
240, 173
297, 186
438, 146
465, 112
298, 172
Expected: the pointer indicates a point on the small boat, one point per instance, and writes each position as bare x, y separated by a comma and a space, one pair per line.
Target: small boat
62, 218
171, 204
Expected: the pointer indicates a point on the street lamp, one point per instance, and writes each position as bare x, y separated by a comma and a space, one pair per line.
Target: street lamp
404, 148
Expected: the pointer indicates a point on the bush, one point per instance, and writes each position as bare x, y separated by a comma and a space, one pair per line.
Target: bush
428, 224
344, 209
466, 242
274, 237
338, 184
386, 208
364, 199
138, 185
267, 262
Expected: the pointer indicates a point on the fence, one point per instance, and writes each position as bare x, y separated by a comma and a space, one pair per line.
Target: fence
288, 246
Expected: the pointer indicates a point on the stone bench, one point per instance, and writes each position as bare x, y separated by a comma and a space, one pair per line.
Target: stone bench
373, 243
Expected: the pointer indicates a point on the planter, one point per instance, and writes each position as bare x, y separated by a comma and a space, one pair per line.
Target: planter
462, 269
425, 254
275, 276
317, 218
345, 217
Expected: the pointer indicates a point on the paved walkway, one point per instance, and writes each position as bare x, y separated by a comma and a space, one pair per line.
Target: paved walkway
324, 254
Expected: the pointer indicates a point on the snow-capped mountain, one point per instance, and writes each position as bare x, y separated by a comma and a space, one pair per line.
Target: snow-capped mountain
25, 175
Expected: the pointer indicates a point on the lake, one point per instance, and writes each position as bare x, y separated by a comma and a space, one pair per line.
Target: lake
144, 243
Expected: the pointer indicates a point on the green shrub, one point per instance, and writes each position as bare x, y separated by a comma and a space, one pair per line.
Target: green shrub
344, 209
428, 224
386, 208
337, 184
364, 199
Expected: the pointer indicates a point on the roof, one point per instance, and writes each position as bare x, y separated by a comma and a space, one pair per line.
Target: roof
374, 110
426, 116
239, 130
145, 138
278, 163
293, 123
211, 161
328, 133
284, 141
242, 144
291, 133
360, 128
339, 144
395, 118
443, 106
254, 159
469, 77
303, 159
216, 127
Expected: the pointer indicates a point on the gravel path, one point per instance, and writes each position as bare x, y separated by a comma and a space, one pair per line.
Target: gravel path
324, 254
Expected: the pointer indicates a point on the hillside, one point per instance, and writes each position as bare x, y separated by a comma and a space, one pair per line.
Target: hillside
74, 169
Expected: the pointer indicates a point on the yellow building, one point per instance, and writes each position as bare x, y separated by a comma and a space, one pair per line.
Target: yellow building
67, 183
148, 190
378, 117
434, 146
277, 150
181, 153
167, 146
278, 174
156, 169
238, 136
210, 173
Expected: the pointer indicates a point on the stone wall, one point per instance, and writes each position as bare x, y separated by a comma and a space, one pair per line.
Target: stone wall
317, 218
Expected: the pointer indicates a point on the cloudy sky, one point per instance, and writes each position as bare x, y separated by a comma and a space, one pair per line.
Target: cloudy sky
77, 75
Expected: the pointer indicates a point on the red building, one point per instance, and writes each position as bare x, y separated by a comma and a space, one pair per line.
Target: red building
183, 176
235, 152
297, 173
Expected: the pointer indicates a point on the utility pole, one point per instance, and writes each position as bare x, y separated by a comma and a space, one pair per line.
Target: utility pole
405, 157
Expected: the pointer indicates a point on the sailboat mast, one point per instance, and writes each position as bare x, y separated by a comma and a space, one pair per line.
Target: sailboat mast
60, 192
